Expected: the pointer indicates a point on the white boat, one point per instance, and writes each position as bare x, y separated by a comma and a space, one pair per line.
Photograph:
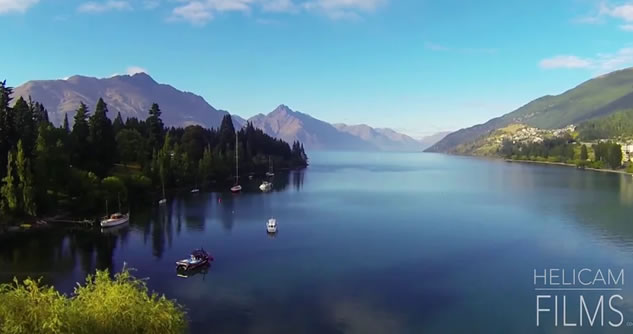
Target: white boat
266, 186
115, 219
195, 191
237, 187
162, 201
271, 226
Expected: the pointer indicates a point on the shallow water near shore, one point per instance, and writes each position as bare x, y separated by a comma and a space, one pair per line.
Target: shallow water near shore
367, 243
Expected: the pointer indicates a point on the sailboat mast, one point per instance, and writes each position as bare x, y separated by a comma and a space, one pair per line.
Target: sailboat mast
119, 198
237, 172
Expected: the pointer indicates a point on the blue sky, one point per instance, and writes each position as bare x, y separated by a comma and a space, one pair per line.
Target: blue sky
418, 66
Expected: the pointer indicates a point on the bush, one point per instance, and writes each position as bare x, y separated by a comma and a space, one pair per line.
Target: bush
101, 305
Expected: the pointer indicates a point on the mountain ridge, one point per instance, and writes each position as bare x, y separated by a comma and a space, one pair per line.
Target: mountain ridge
133, 95
592, 99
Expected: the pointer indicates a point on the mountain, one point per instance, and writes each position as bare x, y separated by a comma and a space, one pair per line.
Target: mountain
290, 125
428, 141
132, 96
381, 138
590, 100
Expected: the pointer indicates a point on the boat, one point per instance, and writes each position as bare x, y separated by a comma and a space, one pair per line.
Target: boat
195, 191
237, 187
270, 172
197, 259
116, 218
271, 226
163, 200
266, 186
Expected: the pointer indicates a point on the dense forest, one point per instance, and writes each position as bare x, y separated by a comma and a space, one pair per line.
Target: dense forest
618, 124
45, 168
565, 150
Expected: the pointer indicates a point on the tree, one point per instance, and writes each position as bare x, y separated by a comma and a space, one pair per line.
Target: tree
25, 182
117, 125
227, 134
156, 128
102, 139
80, 137
9, 190
130, 145
583, 153
6, 125
193, 142
614, 158
24, 124
66, 127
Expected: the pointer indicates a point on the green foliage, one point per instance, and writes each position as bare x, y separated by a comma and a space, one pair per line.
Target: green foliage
81, 155
584, 155
552, 150
53, 168
608, 152
615, 125
156, 128
102, 139
9, 190
25, 185
114, 189
130, 146
103, 304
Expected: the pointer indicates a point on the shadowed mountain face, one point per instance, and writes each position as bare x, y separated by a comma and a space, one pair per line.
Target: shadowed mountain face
132, 96
592, 99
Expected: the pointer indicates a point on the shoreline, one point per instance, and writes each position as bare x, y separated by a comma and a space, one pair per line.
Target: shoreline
563, 164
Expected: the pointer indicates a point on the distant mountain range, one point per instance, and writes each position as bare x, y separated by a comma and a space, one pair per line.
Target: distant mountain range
133, 95
592, 100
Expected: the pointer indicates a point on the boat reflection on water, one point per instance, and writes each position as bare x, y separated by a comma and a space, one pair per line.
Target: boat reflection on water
115, 230
203, 271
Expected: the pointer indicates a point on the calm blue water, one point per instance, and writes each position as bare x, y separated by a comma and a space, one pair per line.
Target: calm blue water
368, 243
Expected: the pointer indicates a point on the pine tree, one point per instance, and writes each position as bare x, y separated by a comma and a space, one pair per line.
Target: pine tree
156, 128
9, 190
25, 182
102, 139
6, 124
80, 137
117, 125
227, 134
584, 155
66, 126
25, 124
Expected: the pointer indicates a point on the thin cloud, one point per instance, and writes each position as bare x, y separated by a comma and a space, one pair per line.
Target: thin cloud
564, 61
601, 63
16, 6
131, 70
200, 12
99, 7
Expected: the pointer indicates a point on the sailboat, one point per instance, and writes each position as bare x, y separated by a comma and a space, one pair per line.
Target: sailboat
163, 200
237, 187
270, 168
116, 218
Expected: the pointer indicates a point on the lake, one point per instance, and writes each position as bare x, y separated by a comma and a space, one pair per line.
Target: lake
369, 243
